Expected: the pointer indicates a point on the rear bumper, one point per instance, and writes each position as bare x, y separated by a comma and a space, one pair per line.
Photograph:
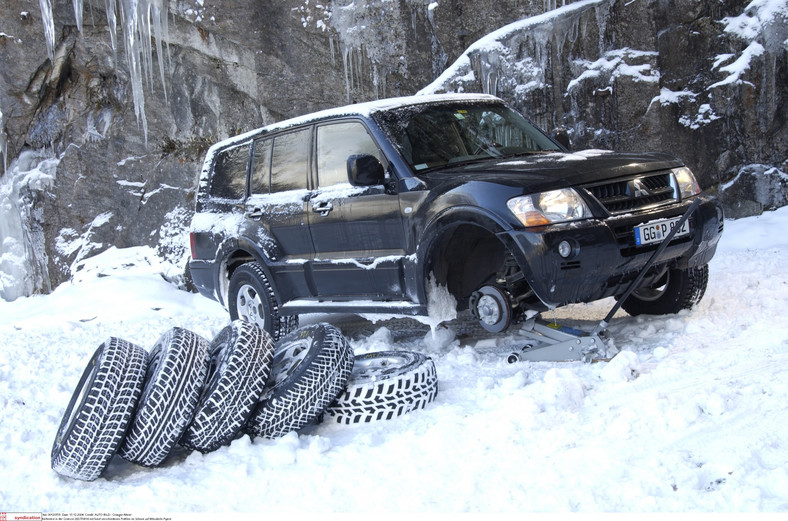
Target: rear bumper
604, 258
203, 275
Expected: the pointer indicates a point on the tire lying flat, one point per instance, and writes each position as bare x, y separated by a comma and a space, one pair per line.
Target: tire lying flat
311, 367
174, 381
385, 385
241, 356
100, 410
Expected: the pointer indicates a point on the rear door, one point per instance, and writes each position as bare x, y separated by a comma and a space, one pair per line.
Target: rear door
275, 209
357, 232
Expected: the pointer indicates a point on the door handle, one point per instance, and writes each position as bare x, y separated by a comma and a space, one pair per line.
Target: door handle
254, 213
323, 207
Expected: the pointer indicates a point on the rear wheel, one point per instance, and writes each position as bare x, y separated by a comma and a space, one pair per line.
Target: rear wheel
676, 290
251, 299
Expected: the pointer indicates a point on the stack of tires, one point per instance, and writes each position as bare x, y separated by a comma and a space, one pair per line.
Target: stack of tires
201, 395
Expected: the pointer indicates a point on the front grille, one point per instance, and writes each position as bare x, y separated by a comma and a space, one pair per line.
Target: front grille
637, 193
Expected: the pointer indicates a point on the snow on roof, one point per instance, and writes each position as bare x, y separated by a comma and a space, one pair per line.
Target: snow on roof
359, 109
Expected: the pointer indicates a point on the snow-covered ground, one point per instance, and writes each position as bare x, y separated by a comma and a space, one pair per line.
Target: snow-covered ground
689, 417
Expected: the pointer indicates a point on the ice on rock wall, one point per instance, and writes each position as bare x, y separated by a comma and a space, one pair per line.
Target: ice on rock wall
23, 269
515, 57
23, 260
3, 142
141, 21
371, 39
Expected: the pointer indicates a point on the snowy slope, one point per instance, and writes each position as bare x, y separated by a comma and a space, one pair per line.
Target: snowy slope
689, 417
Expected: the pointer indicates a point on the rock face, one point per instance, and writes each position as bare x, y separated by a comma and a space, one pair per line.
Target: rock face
704, 79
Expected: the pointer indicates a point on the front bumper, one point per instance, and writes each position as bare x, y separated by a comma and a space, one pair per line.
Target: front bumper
604, 258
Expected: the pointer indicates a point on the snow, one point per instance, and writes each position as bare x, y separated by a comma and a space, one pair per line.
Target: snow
493, 41
764, 24
689, 417
740, 66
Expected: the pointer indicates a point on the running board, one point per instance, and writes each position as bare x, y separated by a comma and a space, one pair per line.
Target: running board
398, 307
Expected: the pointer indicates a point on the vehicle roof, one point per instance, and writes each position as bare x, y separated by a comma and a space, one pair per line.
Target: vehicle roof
359, 109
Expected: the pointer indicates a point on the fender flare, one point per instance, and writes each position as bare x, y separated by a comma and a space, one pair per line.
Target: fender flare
442, 222
231, 246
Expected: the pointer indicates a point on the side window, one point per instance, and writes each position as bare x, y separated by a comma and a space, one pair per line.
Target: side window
229, 173
337, 142
290, 160
261, 169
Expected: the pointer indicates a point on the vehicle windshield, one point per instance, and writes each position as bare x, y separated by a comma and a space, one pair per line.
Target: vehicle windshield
436, 136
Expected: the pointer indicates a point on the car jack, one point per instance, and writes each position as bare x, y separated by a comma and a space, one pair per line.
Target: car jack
555, 343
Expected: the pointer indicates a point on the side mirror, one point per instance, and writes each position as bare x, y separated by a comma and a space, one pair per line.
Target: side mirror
365, 170
562, 136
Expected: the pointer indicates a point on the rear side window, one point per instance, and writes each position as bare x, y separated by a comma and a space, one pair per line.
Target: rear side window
337, 142
261, 171
289, 161
229, 173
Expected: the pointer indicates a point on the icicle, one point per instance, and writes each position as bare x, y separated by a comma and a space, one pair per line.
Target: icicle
375, 80
161, 30
141, 21
112, 22
78, 14
49, 27
346, 65
3, 142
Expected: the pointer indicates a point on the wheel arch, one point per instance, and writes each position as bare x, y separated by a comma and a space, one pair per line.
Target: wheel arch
235, 253
465, 233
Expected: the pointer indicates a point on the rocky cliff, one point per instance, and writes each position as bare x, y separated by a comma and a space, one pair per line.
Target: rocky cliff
107, 107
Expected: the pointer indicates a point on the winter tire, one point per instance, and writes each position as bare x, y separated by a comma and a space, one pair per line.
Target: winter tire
100, 410
311, 367
385, 385
675, 291
173, 383
251, 298
241, 356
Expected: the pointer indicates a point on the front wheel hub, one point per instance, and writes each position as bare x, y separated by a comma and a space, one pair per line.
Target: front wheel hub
492, 307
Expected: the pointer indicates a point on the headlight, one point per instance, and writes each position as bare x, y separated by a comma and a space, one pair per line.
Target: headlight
686, 184
551, 207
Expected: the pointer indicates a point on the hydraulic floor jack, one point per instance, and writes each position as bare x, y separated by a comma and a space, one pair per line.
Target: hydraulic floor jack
553, 342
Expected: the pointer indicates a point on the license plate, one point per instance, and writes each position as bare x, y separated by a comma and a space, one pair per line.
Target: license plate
656, 231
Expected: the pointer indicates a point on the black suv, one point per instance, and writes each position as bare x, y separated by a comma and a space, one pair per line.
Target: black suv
364, 208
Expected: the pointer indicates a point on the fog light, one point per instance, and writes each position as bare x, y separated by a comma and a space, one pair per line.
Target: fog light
564, 249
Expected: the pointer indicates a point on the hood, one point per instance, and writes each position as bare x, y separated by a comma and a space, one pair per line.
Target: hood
540, 172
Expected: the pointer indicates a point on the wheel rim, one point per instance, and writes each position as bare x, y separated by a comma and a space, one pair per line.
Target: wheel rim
654, 292
288, 358
249, 304
379, 366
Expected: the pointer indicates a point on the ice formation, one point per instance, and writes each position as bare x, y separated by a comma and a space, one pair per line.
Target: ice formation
23, 261
371, 41
141, 22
